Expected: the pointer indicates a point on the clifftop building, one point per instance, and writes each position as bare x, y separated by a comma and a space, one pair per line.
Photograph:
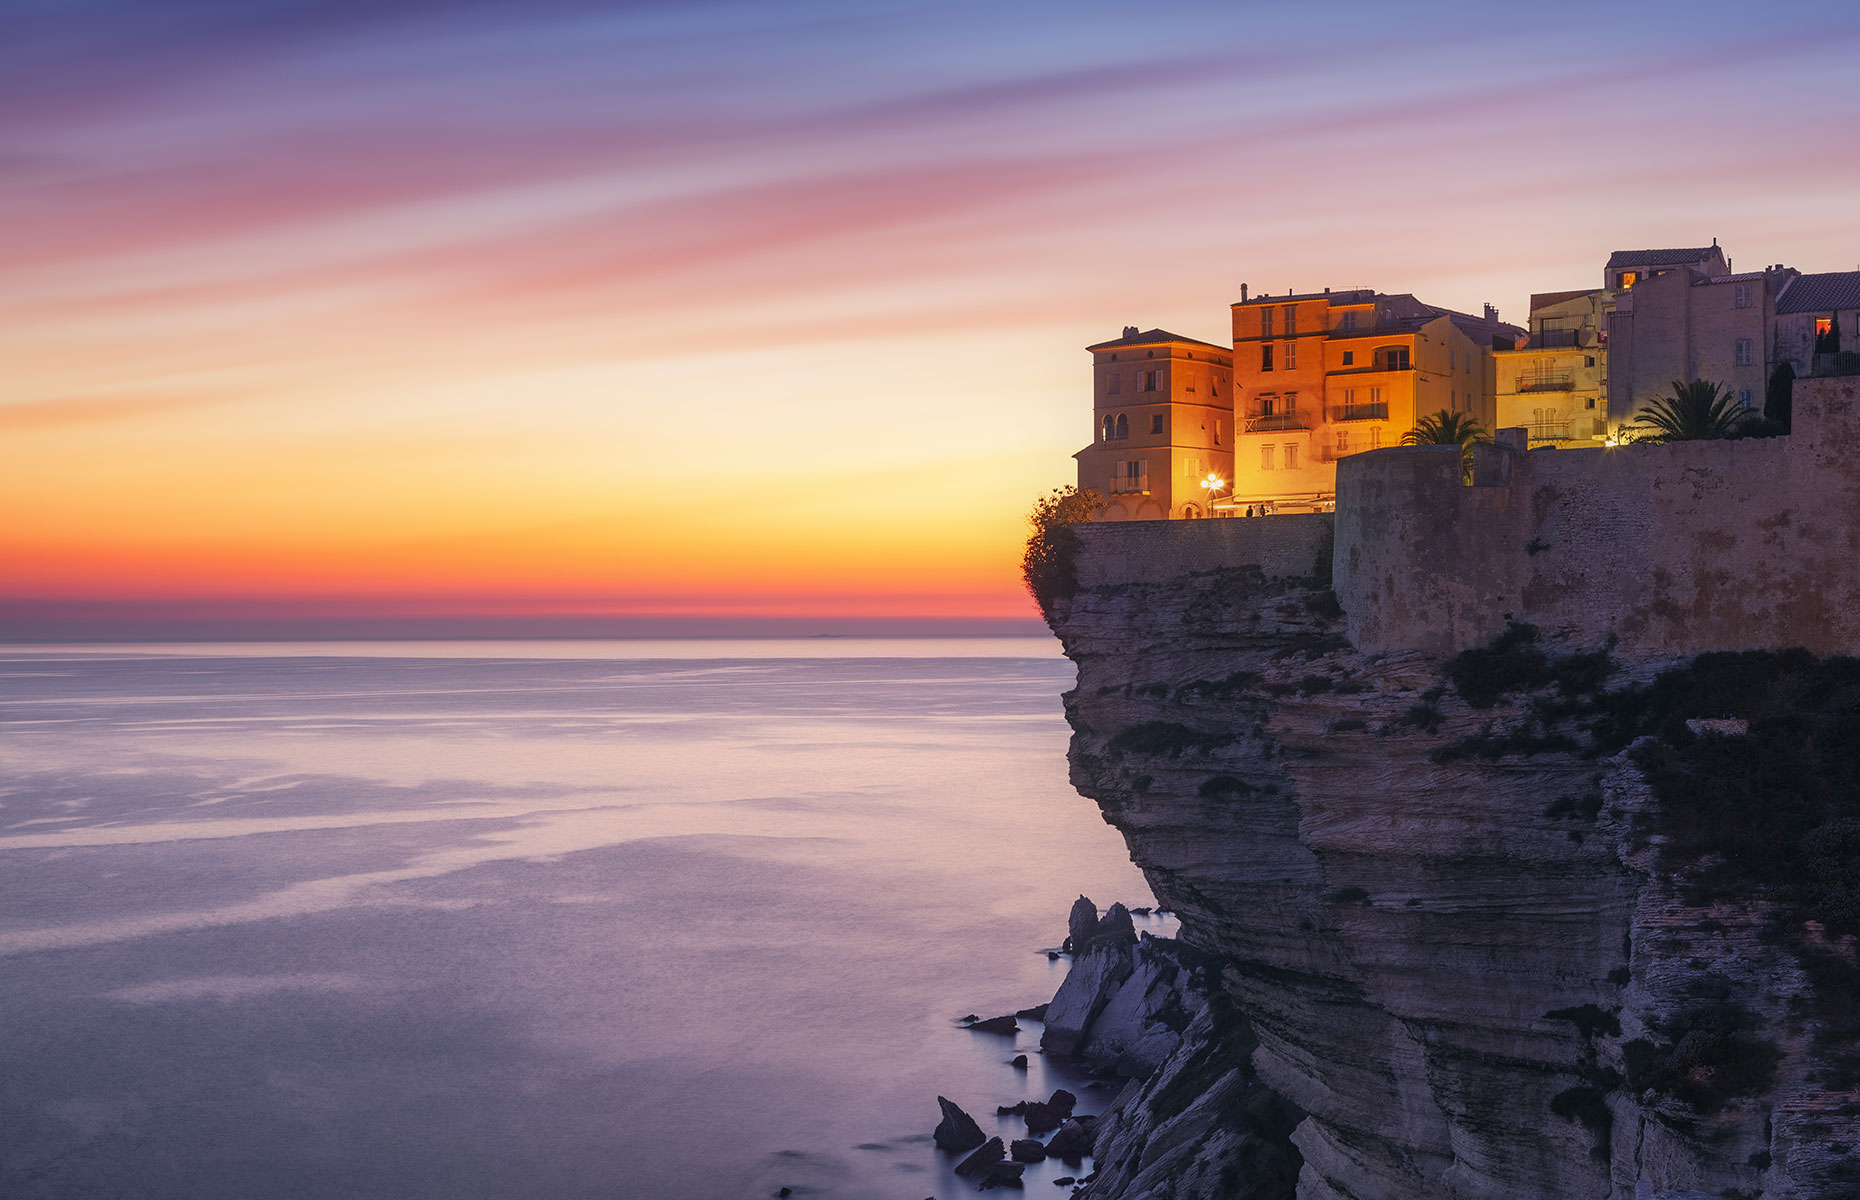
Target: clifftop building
1162, 411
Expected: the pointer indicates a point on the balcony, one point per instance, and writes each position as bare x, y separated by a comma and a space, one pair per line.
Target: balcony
1553, 339
1547, 381
1130, 485
1549, 431
1360, 412
1274, 422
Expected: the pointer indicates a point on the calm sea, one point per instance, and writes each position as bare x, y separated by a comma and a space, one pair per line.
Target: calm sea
620, 919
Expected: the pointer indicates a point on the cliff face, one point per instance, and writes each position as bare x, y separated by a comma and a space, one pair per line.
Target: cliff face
1445, 932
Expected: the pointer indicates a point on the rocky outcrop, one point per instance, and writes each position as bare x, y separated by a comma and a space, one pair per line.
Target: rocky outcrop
1451, 962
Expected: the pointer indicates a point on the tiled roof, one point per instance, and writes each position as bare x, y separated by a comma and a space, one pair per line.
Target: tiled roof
1353, 296
1821, 293
1657, 258
1742, 277
1155, 337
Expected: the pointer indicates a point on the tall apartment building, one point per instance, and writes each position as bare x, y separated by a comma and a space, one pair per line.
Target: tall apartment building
1555, 383
1323, 375
1162, 419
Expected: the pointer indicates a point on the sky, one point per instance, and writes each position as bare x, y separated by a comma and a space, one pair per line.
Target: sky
552, 315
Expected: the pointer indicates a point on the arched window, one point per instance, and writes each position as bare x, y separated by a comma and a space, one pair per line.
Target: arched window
1110, 427
1123, 427
1190, 513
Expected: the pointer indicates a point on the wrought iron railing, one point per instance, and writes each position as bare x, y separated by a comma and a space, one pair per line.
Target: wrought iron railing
1546, 381
1360, 412
1272, 422
1126, 484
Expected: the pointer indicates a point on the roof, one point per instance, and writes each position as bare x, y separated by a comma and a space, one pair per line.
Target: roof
1155, 337
1742, 277
1349, 296
1821, 293
1658, 258
1546, 299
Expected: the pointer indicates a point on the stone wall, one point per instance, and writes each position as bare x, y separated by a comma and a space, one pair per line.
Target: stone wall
1290, 546
1675, 549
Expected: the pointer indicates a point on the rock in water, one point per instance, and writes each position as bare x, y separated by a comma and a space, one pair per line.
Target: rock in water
958, 1130
1071, 1144
1094, 976
996, 1025
1062, 1102
977, 1165
1018, 1062
1003, 1174
1040, 1117
1080, 924
1026, 1150
1036, 1013
1116, 925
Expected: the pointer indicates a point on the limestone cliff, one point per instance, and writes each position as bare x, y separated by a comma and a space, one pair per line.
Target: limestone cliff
1446, 934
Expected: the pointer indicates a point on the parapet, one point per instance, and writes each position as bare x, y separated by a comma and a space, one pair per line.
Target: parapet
1285, 547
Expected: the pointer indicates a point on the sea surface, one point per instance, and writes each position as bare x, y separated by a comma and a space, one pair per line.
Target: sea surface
599, 919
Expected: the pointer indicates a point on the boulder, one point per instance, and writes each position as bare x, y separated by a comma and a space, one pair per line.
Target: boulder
1036, 1013
996, 1025
1040, 1117
1071, 1144
1080, 924
1018, 1062
977, 1165
1094, 976
1026, 1150
958, 1130
1062, 1102
1003, 1174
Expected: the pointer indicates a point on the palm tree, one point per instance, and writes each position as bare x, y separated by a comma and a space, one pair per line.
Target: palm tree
1696, 411
1449, 429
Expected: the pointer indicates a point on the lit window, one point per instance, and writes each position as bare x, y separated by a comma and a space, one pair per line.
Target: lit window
1743, 352
1265, 457
1156, 423
1628, 278
1291, 456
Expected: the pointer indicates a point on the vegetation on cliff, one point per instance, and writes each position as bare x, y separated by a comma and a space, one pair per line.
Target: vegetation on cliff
1048, 562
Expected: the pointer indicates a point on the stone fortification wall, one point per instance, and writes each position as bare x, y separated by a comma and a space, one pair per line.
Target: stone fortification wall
1293, 546
1675, 549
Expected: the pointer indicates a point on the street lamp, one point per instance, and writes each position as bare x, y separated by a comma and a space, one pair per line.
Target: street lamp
1213, 483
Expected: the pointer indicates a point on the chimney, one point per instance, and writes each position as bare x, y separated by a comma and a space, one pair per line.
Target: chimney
1327, 291
1491, 313
1131, 331
1243, 293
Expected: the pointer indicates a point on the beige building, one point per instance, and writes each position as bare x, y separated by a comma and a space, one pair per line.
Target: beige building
1324, 375
1162, 421
1693, 322
1816, 311
1555, 383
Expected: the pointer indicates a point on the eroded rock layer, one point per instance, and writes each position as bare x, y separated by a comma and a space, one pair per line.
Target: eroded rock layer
1442, 929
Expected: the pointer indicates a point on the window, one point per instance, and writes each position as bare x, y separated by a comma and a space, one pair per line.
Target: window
1268, 404
1220, 427
1743, 399
1149, 381
1291, 356
1589, 361
1375, 436
1214, 388
1628, 278
1123, 427
1343, 442
1349, 322
1291, 456
1265, 357
1265, 321
1265, 457
1453, 359
1741, 295
1349, 356
1589, 403
1453, 399
1349, 397
1743, 352
1113, 384
1291, 403
1110, 427
1394, 358
1191, 468
1291, 320
1157, 421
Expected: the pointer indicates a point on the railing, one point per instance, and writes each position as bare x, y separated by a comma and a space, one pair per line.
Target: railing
1360, 412
1551, 339
1272, 422
1549, 431
1547, 381
1129, 484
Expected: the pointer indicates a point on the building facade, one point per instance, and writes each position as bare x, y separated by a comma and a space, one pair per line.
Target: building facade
1555, 382
1686, 324
1817, 318
1324, 375
1162, 422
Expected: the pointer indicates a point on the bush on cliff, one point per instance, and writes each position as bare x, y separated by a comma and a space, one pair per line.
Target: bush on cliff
1048, 562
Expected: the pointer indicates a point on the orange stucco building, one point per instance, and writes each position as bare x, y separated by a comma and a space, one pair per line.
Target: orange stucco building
1323, 375
1162, 421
